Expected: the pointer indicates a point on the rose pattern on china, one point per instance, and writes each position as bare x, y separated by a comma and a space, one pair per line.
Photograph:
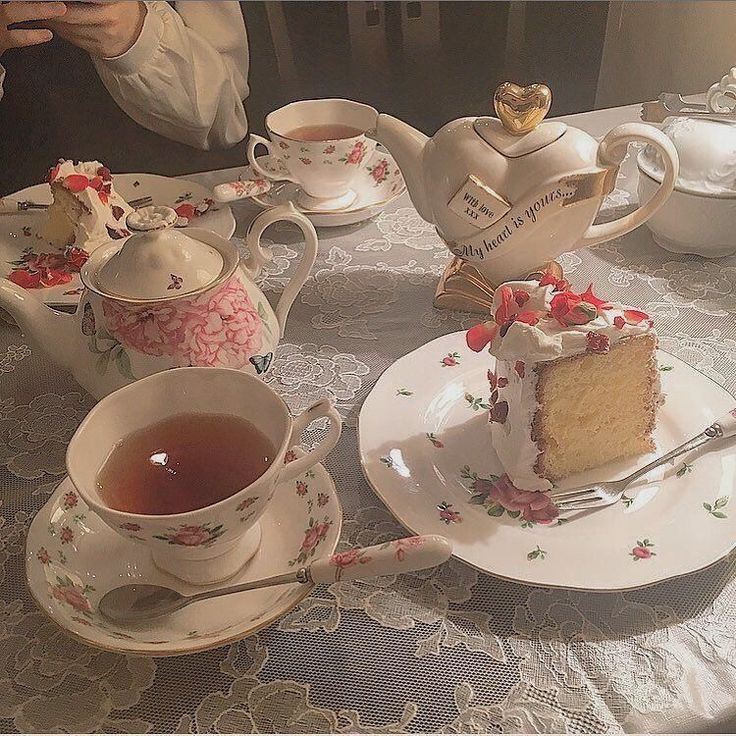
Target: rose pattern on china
67, 592
356, 154
313, 535
220, 328
642, 550
343, 560
405, 545
192, 535
379, 172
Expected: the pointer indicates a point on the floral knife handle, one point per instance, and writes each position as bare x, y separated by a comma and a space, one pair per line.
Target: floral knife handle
389, 558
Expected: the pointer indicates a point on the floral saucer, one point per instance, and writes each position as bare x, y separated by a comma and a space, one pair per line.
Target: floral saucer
425, 462
21, 244
73, 559
379, 184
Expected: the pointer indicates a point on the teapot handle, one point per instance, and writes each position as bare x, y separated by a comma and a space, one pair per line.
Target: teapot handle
611, 152
259, 255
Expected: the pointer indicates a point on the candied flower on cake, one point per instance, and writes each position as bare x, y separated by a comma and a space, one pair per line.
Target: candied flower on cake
597, 342
549, 279
570, 309
533, 505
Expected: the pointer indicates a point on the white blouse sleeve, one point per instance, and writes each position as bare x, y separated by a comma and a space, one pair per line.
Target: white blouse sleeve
187, 74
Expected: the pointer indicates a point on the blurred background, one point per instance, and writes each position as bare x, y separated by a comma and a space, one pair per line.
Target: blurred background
426, 62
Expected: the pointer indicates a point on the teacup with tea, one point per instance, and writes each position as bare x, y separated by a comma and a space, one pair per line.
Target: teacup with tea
320, 145
186, 461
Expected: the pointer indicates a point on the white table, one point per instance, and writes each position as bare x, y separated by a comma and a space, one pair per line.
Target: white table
451, 650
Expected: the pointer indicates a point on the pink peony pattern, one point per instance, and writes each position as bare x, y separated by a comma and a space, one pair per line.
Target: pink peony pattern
379, 172
220, 328
356, 155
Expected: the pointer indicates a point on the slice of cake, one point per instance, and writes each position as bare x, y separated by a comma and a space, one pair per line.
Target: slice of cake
575, 383
86, 210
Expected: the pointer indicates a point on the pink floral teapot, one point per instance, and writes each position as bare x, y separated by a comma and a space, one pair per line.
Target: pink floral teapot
166, 299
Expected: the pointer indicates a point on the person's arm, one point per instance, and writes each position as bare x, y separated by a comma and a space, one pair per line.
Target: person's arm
185, 75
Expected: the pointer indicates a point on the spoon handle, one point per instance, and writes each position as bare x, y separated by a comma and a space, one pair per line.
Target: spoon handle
389, 558
234, 190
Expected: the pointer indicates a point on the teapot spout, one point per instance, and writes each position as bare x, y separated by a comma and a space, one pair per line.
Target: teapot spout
406, 145
55, 332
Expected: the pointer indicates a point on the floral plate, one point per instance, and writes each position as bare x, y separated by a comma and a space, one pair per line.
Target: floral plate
20, 242
425, 461
380, 182
73, 558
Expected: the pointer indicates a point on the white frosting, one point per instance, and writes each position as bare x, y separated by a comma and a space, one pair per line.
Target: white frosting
721, 96
98, 222
532, 344
707, 153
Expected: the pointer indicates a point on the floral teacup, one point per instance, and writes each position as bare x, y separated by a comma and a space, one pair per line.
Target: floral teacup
212, 543
324, 169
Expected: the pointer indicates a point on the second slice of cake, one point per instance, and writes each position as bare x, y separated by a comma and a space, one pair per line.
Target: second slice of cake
575, 383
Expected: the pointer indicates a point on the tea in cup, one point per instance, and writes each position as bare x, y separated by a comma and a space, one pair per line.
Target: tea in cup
185, 462
320, 145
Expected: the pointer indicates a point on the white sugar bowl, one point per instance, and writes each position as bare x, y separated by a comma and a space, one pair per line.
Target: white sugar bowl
700, 215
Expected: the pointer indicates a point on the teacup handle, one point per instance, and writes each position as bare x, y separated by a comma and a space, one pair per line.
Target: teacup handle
321, 409
611, 152
259, 255
253, 141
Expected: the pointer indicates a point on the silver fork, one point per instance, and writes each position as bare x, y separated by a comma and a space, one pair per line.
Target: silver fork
28, 205
605, 494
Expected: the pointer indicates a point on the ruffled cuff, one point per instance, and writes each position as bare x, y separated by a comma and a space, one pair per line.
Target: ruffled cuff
142, 50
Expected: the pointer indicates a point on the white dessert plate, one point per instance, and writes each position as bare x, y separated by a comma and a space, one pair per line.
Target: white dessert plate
20, 232
73, 559
424, 437
378, 185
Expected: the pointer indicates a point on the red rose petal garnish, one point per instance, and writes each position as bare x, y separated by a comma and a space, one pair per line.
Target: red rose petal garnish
519, 367
185, 210
76, 182
503, 382
53, 173
499, 412
505, 310
481, 335
521, 297
588, 296
549, 279
619, 322
634, 316
104, 196
55, 277
26, 279
76, 258
117, 212
104, 172
528, 318
96, 182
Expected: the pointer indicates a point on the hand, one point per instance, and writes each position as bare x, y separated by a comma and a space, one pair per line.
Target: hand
103, 29
17, 12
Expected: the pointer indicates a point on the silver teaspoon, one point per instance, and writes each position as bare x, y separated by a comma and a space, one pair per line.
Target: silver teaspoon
140, 602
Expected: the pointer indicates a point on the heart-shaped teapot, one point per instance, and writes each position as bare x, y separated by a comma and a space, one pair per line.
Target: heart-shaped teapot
511, 194
166, 298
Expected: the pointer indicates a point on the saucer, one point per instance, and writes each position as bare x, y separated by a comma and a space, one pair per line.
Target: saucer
20, 232
73, 559
379, 183
423, 460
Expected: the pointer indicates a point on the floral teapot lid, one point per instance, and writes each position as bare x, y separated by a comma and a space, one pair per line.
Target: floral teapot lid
158, 262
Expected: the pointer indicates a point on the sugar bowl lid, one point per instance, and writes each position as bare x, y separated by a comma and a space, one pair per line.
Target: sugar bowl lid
158, 262
707, 152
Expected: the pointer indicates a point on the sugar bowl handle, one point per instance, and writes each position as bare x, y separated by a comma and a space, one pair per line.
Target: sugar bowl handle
321, 409
259, 255
611, 153
389, 558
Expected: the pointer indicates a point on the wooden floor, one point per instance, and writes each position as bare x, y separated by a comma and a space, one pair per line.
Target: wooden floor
425, 62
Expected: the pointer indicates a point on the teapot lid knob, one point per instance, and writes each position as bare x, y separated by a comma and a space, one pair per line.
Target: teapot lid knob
155, 217
521, 109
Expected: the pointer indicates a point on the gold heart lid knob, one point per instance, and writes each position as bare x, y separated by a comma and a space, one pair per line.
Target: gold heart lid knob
521, 109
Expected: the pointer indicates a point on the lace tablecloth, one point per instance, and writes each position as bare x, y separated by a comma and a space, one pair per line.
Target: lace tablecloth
445, 651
